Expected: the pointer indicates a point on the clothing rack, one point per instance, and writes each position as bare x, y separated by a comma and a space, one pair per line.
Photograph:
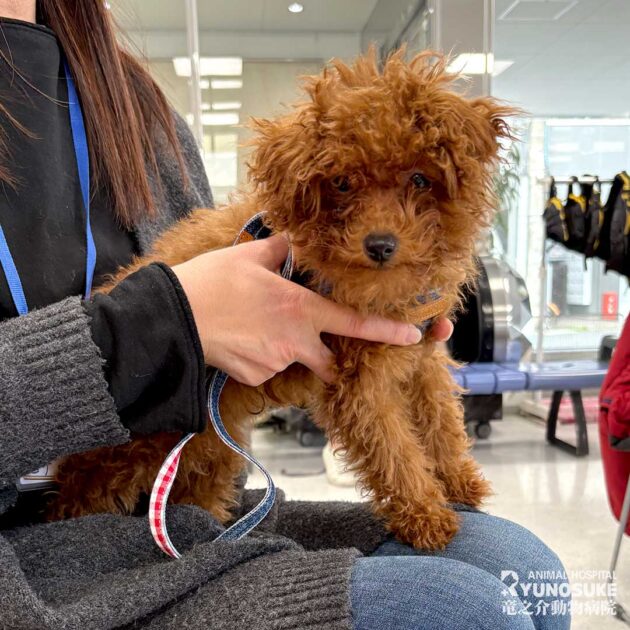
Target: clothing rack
545, 182
586, 179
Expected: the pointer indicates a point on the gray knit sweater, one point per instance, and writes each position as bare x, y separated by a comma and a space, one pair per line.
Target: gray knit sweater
105, 571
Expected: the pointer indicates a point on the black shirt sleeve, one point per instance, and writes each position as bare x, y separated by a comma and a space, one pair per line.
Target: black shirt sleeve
153, 357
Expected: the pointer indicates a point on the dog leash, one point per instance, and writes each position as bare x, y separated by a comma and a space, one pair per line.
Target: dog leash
429, 307
254, 229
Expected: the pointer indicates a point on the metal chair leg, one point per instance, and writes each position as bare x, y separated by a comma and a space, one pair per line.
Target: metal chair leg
581, 432
618, 609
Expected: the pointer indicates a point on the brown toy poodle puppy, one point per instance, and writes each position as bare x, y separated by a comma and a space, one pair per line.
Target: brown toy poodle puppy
382, 178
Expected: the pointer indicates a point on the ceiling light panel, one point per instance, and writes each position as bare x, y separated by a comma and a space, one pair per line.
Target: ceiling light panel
226, 84
220, 119
478, 63
210, 66
226, 105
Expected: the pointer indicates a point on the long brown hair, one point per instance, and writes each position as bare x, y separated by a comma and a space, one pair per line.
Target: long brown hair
122, 105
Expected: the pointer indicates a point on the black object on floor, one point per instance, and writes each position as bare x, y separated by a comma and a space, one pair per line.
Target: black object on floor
298, 421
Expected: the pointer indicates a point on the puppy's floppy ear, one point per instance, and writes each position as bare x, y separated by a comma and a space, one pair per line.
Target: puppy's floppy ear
281, 164
487, 127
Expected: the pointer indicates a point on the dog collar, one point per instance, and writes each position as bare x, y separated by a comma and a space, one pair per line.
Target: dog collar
254, 230
429, 306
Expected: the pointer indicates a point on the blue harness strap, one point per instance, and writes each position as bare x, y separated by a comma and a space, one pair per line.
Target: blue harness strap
79, 139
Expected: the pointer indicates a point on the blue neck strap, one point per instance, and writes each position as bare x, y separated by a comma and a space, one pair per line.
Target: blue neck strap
79, 139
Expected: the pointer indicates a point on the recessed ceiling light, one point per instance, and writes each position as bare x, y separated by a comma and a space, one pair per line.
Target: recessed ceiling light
222, 119
210, 66
224, 105
296, 7
226, 84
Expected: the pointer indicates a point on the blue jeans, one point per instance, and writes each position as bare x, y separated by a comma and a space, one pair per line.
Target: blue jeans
475, 583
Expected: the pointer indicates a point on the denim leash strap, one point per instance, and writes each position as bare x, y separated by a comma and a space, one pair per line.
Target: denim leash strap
254, 229
81, 153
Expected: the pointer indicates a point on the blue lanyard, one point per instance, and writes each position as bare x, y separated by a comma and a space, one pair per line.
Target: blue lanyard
79, 139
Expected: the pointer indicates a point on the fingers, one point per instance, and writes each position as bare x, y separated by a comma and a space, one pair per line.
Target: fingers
319, 359
340, 320
270, 252
442, 329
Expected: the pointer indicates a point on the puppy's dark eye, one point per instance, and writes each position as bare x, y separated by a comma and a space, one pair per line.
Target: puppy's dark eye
420, 181
342, 184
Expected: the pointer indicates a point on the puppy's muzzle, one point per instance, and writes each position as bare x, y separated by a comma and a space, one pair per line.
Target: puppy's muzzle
380, 247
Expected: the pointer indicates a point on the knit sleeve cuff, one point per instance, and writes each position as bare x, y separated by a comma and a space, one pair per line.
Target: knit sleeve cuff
318, 525
331, 525
53, 395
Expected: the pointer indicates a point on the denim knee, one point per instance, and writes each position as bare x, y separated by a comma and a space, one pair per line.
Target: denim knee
527, 568
531, 571
430, 593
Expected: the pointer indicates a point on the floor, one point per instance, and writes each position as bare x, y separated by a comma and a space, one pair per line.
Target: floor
557, 496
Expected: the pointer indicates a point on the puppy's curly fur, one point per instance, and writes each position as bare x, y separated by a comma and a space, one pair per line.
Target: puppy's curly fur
337, 168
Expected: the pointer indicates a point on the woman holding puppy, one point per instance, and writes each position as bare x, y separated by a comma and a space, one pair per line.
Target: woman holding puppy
84, 190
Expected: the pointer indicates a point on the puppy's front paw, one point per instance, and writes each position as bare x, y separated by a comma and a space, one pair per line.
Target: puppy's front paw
428, 530
477, 489
467, 486
471, 491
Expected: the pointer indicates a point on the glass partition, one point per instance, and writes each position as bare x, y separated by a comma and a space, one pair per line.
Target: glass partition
563, 63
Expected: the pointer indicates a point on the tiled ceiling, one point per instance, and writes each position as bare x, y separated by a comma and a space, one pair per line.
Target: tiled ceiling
578, 64
535, 10
570, 57
246, 15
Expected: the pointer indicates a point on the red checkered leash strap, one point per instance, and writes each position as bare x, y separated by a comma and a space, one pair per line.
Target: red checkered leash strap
254, 229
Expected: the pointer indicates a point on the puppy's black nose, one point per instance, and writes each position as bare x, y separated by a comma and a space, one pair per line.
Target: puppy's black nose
380, 247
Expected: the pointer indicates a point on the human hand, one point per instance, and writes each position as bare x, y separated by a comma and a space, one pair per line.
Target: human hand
442, 329
253, 323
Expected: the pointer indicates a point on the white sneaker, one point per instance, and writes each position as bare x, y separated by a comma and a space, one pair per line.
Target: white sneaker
336, 468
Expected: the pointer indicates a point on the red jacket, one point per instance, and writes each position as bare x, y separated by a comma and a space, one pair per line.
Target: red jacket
614, 422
